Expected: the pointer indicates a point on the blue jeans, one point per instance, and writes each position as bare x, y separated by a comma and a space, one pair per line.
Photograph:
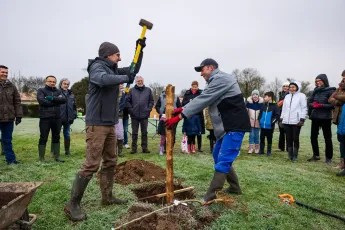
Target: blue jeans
66, 131
254, 136
6, 129
226, 150
125, 131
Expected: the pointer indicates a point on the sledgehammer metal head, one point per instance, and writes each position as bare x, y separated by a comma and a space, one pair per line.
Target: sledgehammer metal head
146, 23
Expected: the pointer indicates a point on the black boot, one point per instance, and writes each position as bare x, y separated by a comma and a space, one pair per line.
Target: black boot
269, 149
232, 179
217, 184
72, 208
52, 155
199, 140
134, 143
119, 148
211, 145
262, 148
67, 144
290, 152
144, 143
295, 154
56, 150
106, 184
342, 173
41, 152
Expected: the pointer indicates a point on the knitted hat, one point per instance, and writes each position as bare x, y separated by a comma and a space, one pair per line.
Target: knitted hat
343, 73
255, 91
295, 84
270, 94
107, 49
286, 83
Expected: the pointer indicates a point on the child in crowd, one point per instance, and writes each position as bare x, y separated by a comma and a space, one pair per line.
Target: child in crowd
209, 127
119, 126
269, 114
191, 127
161, 133
254, 104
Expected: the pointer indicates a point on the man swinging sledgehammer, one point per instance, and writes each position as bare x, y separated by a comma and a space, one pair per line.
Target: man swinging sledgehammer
230, 121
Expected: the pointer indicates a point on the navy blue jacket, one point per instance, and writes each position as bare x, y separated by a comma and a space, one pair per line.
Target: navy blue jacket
68, 110
192, 125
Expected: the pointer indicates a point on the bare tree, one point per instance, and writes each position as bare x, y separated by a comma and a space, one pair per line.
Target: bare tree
305, 87
183, 91
34, 83
18, 81
274, 86
157, 89
248, 80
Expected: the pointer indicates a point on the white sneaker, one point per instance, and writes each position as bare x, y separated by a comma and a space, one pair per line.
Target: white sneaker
126, 146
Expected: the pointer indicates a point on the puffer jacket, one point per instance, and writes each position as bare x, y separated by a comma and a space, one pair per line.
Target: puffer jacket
69, 109
188, 97
269, 115
281, 96
254, 111
321, 96
50, 109
192, 126
224, 98
10, 102
139, 102
337, 99
294, 107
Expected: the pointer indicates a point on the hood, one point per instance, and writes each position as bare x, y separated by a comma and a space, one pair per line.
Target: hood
103, 61
324, 78
250, 100
299, 86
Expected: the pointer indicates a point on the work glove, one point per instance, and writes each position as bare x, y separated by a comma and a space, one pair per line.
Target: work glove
131, 77
18, 120
142, 42
169, 123
49, 98
300, 123
316, 105
177, 111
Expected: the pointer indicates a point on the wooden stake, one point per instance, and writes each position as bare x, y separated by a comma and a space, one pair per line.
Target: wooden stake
164, 194
169, 110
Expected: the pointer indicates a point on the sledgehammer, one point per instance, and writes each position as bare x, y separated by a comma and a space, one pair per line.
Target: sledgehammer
146, 25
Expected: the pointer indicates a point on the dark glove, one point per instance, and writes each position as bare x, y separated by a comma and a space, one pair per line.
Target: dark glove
49, 98
18, 120
172, 121
142, 42
131, 77
300, 123
177, 111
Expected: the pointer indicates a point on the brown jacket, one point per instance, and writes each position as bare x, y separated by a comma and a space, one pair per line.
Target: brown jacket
10, 102
337, 99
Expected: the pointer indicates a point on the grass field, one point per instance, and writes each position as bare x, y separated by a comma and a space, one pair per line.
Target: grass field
262, 179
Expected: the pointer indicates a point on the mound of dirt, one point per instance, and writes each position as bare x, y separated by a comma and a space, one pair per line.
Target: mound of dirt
155, 188
179, 217
138, 171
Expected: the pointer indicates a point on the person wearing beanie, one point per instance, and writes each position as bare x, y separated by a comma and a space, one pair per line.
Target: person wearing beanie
102, 113
281, 96
269, 115
320, 113
338, 100
230, 120
190, 95
254, 104
293, 115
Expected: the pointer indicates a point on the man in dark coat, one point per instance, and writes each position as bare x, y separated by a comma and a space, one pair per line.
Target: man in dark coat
102, 111
189, 95
139, 102
10, 113
320, 113
50, 98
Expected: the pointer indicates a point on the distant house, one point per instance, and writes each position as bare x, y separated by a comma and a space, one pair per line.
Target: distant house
28, 98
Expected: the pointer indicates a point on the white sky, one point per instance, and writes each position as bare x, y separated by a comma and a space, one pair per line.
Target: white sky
295, 39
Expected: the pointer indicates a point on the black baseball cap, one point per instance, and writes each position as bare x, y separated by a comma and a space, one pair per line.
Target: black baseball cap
207, 61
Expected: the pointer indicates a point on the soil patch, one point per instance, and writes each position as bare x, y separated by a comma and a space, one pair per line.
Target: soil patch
155, 188
179, 217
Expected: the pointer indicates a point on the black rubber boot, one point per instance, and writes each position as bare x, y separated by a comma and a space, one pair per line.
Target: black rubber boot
119, 148
232, 179
211, 145
290, 153
217, 184
314, 158
269, 149
144, 143
67, 144
56, 150
41, 152
134, 143
199, 140
106, 185
295, 154
72, 208
262, 148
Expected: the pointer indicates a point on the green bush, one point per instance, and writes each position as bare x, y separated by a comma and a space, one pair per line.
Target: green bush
33, 110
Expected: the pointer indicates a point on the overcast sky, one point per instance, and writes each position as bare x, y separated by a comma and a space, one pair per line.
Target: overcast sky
295, 39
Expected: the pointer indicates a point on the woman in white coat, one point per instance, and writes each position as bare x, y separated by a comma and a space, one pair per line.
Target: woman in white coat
293, 116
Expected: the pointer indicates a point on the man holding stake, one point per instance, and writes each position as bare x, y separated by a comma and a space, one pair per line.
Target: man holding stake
230, 121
